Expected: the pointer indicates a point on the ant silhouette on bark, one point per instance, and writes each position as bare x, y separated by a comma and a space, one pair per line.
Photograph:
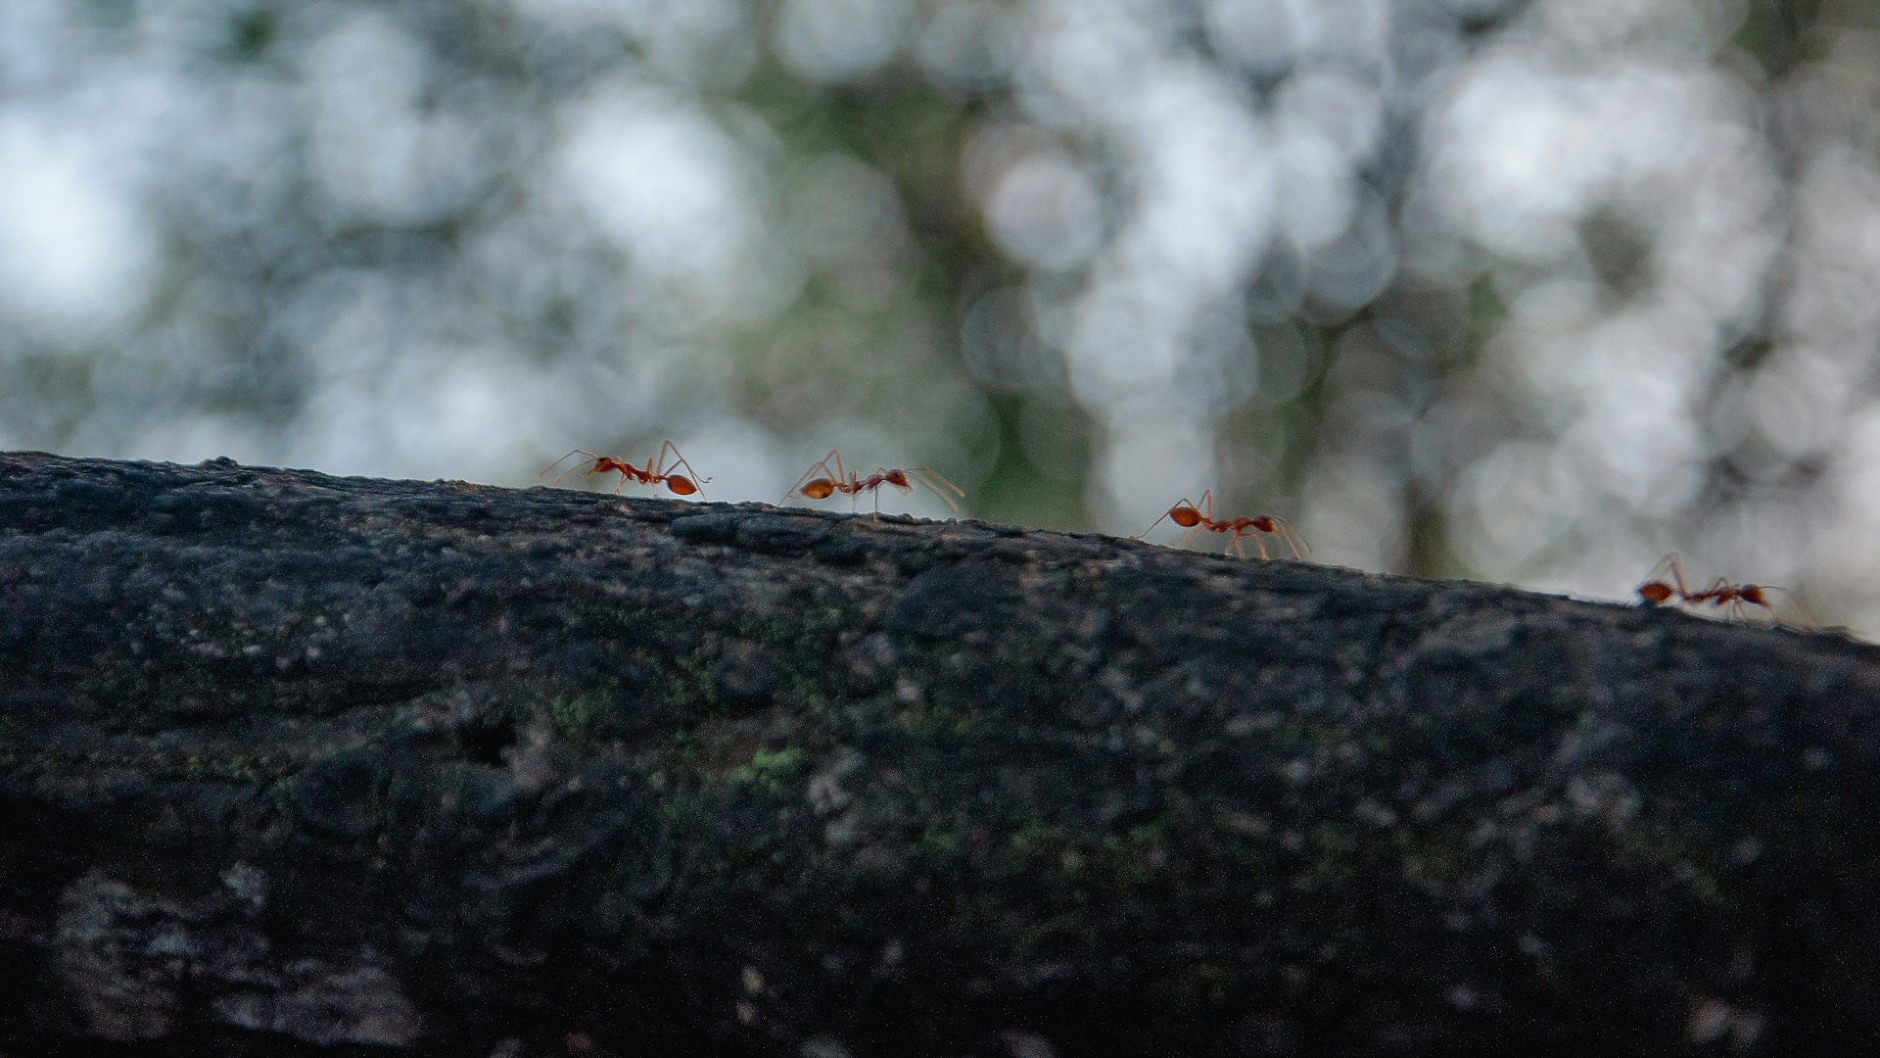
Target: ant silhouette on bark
1734, 600
831, 481
1198, 517
678, 484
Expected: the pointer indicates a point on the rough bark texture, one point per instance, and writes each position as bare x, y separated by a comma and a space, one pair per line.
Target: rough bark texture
291, 760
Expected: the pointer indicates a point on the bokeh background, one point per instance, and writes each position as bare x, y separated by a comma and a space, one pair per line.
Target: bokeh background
1521, 291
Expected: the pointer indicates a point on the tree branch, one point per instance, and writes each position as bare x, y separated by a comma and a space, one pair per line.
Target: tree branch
436, 765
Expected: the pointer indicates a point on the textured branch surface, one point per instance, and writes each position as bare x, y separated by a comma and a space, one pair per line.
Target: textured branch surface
293, 760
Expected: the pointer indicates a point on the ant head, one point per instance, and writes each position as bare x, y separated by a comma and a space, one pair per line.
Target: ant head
681, 485
1185, 515
1752, 594
1654, 591
897, 478
818, 489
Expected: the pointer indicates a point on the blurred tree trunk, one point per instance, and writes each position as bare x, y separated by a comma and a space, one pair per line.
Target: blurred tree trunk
292, 760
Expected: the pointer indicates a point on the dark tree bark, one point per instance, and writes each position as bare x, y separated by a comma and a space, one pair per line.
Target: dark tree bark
293, 760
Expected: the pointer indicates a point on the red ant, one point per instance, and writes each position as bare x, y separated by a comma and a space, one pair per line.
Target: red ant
1738, 598
853, 485
1196, 517
678, 483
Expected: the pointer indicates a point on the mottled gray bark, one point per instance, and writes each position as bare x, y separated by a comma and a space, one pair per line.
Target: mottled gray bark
291, 759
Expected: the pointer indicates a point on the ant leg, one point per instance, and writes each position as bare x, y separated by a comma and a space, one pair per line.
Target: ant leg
852, 486
836, 454
1720, 593
1237, 544
1284, 530
1673, 565
1184, 506
628, 472
1258, 541
666, 471
873, 487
